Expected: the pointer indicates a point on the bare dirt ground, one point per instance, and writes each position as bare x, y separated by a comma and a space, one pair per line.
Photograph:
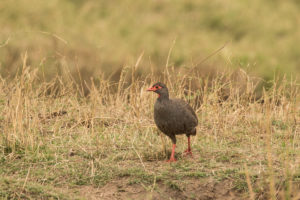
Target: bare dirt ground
195, 189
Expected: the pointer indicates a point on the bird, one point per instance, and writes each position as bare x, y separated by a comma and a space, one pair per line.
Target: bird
173, 117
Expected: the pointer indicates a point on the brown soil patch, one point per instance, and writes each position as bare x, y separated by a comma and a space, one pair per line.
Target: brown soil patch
192, 189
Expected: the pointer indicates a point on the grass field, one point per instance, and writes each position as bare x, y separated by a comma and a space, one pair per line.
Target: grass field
57, 143
77, 122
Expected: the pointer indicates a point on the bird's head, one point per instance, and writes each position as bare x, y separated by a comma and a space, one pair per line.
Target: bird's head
159, 88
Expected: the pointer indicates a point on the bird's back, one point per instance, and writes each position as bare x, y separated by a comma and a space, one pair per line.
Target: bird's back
175, 116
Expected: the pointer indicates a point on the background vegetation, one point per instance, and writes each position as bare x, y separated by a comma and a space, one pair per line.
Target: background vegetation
77, 123
103, 36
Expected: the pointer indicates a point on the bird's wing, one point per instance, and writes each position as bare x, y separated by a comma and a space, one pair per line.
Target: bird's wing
187, 107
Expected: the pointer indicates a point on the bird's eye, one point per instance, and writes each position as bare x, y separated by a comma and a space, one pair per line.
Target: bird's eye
156, 87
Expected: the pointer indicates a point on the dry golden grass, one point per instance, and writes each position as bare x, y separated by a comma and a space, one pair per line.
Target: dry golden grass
77, 122
53, 136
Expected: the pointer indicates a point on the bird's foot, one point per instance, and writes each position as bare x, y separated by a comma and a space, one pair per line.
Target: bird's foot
188, 152
171, 160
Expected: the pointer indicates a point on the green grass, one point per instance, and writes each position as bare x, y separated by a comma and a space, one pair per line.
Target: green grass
19, 189
102, 36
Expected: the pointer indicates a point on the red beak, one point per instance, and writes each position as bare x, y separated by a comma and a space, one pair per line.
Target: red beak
151, 89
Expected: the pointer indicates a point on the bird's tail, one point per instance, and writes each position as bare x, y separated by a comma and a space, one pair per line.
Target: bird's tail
194, 131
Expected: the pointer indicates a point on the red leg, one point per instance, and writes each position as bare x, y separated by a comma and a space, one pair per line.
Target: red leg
172, 158
189, 150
